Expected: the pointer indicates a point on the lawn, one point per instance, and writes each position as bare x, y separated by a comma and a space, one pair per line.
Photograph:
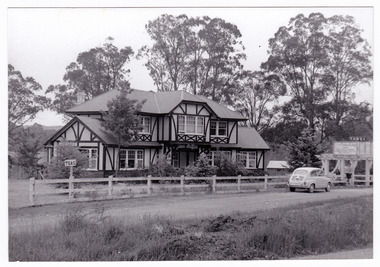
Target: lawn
311, 228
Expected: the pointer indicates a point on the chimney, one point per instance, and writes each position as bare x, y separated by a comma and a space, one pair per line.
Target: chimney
80, 97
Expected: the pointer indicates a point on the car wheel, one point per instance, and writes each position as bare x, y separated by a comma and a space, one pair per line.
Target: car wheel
292, 189
328, 188
311, 188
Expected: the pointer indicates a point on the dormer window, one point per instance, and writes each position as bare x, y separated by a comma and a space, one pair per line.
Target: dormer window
191, 124
218, 128
145, 125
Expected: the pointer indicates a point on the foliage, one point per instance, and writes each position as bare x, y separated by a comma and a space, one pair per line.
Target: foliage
200, 55
162, 168
304, 151
260, 91
121, 119
310, 229
56, 169
27, 147
227, 166
96, 71
201, 167
320, 59
24, 102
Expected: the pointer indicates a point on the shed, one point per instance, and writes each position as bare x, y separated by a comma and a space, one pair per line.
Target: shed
278, 167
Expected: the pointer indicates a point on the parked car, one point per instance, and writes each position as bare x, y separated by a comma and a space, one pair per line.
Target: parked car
309, 178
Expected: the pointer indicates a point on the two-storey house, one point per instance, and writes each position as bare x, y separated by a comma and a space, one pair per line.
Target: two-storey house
175, 123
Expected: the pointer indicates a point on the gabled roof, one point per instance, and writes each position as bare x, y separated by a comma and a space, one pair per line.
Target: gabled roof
94, 125
249, 138
155, 103
278, 164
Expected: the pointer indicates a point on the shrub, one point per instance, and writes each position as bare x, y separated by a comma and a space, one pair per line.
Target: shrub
163, 169
229, 167
201, 168
56, 168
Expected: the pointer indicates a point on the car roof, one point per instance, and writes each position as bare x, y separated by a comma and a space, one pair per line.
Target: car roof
308, 168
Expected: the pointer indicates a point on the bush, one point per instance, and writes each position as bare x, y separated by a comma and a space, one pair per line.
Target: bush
229, 167
56, 168
201, 168
163, 169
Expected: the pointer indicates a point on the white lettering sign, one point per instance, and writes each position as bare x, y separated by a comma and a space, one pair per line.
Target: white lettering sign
70, 162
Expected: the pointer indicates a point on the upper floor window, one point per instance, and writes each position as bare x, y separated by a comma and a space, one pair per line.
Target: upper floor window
218, 128
191, 124
145, 125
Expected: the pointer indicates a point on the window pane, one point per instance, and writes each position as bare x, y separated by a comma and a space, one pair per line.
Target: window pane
139, 154
181, 124
222, 128
252, 159
213, 128
122, 159
139, 164
190, 124
92, 159
200, 125
175, 158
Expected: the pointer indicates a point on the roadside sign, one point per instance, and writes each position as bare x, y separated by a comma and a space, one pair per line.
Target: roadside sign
70, 162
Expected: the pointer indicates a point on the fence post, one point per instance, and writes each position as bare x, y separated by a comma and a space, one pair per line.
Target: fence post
214, 183
182, 184
266, 183
110, 183
71, 186
239, 183
32, 190
149, 184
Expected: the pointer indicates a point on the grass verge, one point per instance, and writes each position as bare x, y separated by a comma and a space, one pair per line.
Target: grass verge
276, 234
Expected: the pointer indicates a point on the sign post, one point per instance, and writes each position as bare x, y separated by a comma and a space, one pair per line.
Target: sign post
71, 163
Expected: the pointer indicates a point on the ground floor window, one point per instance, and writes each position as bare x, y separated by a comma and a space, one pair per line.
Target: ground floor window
131, 159
175, 159
216, 156
248, 159
92, 154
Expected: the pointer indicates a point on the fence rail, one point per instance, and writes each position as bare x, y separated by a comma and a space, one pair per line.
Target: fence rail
84, 189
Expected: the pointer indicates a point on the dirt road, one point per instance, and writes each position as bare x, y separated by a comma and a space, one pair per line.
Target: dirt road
184, 207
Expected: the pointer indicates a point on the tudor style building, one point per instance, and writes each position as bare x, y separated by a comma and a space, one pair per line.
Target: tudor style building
175, 123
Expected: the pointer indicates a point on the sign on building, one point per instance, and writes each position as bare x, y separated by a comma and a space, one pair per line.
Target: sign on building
353, 148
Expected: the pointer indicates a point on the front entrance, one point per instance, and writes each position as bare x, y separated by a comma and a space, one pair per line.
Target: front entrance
187, 158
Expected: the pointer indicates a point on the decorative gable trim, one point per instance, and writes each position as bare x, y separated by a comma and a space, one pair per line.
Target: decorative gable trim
77, 134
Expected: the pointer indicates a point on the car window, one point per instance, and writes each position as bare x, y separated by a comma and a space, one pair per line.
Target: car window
315, 173
300, 172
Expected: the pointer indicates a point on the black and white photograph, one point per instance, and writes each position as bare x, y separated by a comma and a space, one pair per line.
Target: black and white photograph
208, 133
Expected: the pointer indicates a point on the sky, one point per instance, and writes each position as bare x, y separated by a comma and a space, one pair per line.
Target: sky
42, 42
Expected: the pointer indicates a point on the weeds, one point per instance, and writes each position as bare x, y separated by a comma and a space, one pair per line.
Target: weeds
275, 234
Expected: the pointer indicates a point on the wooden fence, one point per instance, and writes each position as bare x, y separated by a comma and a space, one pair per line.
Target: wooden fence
86, 189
